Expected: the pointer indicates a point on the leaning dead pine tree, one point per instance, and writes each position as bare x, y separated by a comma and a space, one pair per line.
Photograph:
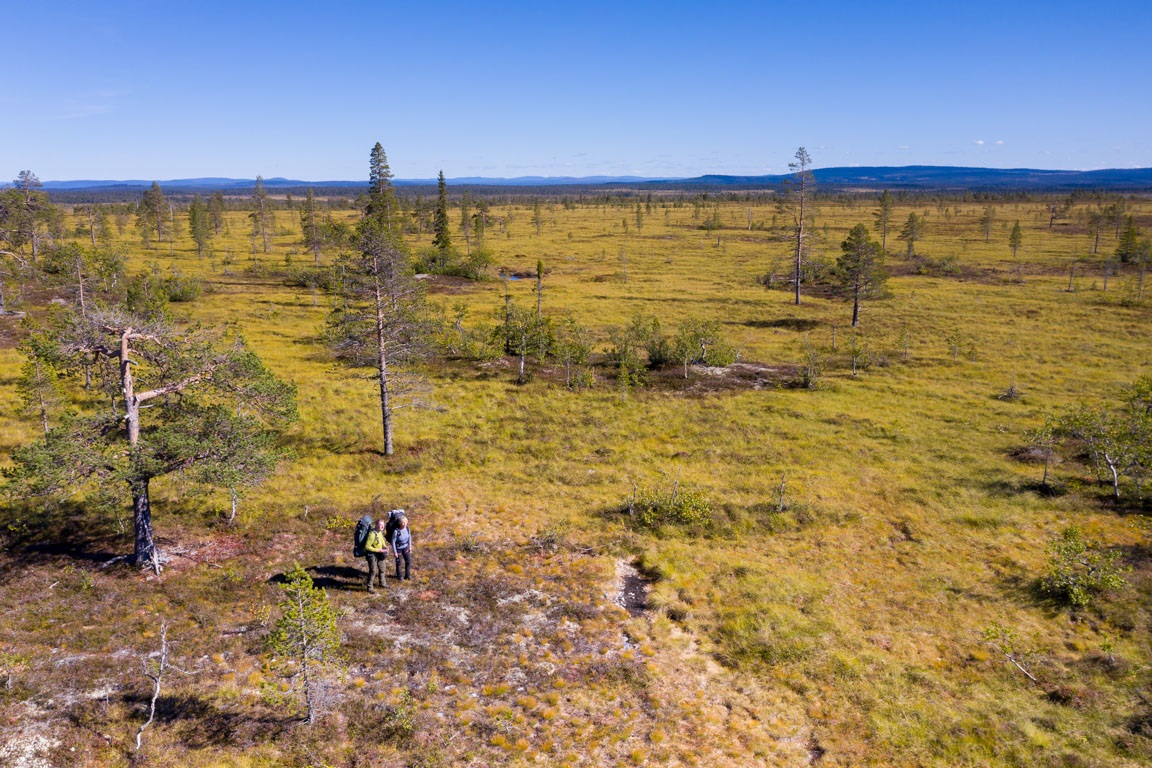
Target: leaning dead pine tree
191, 401
378, 319
796, 205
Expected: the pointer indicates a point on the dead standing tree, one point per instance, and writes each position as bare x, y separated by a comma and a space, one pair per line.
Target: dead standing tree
796, 204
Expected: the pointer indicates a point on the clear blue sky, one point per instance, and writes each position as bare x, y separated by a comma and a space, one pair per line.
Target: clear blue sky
164, 89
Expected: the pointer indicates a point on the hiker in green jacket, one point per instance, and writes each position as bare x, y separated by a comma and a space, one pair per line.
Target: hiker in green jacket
375, 550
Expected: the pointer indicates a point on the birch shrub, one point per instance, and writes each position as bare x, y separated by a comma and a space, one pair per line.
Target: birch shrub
652, 509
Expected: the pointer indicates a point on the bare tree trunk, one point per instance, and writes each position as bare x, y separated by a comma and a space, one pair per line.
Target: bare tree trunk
539, 292
80, 282
305, 656
382, 362
40, 396
144, 548
128, 386
800, 224
1115, 477
799, 247
540, 307
523, 353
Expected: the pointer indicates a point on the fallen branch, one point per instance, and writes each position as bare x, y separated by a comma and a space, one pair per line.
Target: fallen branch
1003, 640
113, 561
156, 675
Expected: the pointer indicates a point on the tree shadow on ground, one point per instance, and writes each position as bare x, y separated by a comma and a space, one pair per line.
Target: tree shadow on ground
787, 323
342, 577
73, 550
67, 531
202, 723
1138, 556
1028, 590
1004, 488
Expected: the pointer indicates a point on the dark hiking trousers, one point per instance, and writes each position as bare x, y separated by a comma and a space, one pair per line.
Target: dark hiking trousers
407, 555
375, 567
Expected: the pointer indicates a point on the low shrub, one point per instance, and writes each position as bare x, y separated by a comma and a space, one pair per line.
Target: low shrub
652, 509
1079, 571
183, 289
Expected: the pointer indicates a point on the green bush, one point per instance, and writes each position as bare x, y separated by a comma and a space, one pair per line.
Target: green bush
1079, 570
652, 509
473, 266
699, 341
310, 277
182, 289
642, 333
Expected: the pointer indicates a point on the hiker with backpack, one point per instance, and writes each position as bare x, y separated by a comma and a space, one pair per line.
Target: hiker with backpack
394, 516
375, 550
402, 546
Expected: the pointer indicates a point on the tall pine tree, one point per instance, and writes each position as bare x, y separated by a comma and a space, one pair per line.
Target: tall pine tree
216, 208
199, 224
261, 211
860, 268
378, 320
310, 226
152, 214
381, 195
442, 238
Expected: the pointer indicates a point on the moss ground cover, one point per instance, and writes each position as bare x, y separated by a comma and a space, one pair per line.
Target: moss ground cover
838, 616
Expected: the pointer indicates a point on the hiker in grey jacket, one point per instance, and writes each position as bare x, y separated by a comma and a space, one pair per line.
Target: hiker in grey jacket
402, 547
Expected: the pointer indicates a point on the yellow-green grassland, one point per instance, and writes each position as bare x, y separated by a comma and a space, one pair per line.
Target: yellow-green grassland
858, 593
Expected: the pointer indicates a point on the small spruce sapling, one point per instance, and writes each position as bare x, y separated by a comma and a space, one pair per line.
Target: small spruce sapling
306, 641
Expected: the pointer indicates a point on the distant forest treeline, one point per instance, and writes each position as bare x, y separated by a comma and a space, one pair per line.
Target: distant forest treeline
350, 197
918, 181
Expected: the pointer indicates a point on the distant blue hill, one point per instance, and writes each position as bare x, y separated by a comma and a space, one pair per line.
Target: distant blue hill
212, 182
946, 178
911, 177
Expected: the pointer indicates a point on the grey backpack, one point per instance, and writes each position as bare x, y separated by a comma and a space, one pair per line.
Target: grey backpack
360, 538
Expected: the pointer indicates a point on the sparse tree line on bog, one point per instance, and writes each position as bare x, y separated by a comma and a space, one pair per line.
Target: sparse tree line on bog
124, 394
